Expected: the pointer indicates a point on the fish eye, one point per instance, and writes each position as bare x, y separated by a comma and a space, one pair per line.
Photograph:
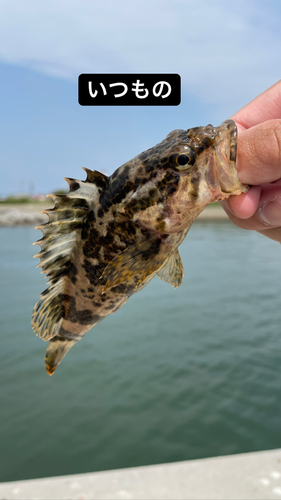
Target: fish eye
184, 160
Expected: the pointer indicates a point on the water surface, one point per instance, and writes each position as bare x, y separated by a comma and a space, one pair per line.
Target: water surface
173, 375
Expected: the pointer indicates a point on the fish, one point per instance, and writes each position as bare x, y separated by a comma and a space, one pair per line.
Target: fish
110, 235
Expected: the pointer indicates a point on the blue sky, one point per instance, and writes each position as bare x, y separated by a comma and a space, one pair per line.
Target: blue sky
226, 53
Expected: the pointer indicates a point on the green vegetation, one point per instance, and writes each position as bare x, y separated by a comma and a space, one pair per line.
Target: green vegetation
215, 204
60, 191
11, 199
19, 199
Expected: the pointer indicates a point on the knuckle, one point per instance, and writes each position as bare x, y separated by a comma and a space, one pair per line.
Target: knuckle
276, 132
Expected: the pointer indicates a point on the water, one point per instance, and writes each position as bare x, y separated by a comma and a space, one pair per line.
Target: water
173, 375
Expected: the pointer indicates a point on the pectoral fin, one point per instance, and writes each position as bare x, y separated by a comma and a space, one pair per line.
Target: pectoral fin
172, 271
140, 260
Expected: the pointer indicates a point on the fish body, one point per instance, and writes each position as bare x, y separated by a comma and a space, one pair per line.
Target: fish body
109, 236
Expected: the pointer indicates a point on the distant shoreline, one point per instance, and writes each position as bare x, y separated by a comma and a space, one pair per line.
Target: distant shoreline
29, 214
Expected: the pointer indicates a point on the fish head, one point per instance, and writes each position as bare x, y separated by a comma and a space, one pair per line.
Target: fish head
183, 174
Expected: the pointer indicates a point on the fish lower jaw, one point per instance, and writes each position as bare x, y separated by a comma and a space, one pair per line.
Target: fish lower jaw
219, 196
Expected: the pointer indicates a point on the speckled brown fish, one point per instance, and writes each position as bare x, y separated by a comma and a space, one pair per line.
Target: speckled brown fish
109, 236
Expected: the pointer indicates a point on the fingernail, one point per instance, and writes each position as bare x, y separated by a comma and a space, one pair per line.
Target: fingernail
270, 214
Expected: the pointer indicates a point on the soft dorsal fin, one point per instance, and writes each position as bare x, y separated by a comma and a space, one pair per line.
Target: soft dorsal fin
66, 220
172, 272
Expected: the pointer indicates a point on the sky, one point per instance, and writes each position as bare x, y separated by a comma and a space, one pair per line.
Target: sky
225, 52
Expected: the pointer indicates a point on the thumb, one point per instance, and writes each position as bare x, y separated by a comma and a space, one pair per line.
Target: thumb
259, 153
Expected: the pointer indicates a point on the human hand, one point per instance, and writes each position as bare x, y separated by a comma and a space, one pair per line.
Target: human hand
259, 165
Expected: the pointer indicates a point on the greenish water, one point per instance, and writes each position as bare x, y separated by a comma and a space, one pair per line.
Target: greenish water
173, 375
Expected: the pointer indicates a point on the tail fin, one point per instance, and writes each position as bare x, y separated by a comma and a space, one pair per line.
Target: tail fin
57, 348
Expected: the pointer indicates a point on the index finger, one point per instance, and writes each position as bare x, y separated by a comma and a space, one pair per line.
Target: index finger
266, 106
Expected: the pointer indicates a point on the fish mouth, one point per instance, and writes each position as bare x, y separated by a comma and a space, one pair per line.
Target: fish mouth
226, 142
222, 174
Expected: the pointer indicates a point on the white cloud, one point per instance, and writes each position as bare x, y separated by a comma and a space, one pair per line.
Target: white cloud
220, 48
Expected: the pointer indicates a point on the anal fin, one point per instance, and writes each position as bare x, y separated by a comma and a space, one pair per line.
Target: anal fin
172, 272
57, 348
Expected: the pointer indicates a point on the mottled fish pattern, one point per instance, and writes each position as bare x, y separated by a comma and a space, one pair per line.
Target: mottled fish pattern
109, 236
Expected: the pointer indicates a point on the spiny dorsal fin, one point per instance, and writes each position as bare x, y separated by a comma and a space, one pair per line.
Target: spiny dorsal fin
172, 272
95, 177
66, 220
